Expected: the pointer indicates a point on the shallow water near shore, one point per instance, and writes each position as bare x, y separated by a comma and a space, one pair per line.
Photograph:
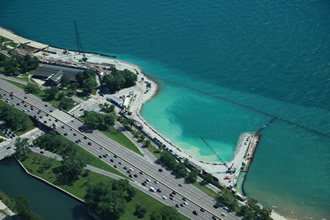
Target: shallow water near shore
272, 56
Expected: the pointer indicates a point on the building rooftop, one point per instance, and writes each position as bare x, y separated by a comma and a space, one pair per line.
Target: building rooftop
46, 70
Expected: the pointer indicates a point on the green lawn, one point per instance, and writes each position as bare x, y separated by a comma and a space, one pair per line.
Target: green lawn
31, 123
121, 138
19, 85
35, 161
206, 190
154, 151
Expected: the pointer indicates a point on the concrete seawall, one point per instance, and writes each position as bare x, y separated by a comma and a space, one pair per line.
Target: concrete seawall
50, 184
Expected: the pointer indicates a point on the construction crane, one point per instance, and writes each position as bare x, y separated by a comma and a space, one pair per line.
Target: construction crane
79, 41
229, 169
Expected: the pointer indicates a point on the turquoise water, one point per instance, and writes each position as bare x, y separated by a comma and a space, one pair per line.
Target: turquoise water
48, 202
270, 55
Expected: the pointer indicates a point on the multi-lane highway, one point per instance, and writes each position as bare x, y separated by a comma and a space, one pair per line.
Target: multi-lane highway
100, 145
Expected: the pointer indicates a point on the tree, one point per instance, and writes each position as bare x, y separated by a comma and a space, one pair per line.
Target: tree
70, 170
165, 213
65, 81
228, 198
192, 176
147, 143
65, 103
22, 148
51, 93
109, 120
208, 177
186, 162
139, 211
181, 169
104, 201
22, 206
74, 86
89, 85
168, 159
31, 88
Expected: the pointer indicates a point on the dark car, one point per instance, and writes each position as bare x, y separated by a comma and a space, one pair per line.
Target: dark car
89, 143
159, 190
85, 137
160, 170
202, 210
62, 127
100, 156
111, 160
195, 212
135, 175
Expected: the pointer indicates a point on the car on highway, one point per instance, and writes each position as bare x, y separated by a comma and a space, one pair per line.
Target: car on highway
74, 134
100, 156
223, 214
164, 197
152, 189
125, 168
120, 163
115, 166
65, 134
195, 212
160, 170
141, 172
135, 175
130, 175
159, 190
177, 205
85, 137
202, 210
111, 160
180, 185
89, 143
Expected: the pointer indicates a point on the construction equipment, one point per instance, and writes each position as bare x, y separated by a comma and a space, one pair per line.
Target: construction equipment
79, 41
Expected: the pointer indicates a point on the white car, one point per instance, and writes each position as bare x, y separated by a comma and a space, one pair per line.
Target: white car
223, 214
164, 197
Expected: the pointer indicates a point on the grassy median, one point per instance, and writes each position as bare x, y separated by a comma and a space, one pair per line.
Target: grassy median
121, 138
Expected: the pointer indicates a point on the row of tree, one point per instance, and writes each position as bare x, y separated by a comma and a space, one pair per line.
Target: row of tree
108, 200
21, 64
180, 168
252, 210
118, 79
14, 119
96, 120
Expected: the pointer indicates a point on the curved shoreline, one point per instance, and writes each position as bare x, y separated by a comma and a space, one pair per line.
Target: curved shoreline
94, 57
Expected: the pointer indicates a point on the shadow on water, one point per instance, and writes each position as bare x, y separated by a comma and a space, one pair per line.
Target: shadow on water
80, 212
